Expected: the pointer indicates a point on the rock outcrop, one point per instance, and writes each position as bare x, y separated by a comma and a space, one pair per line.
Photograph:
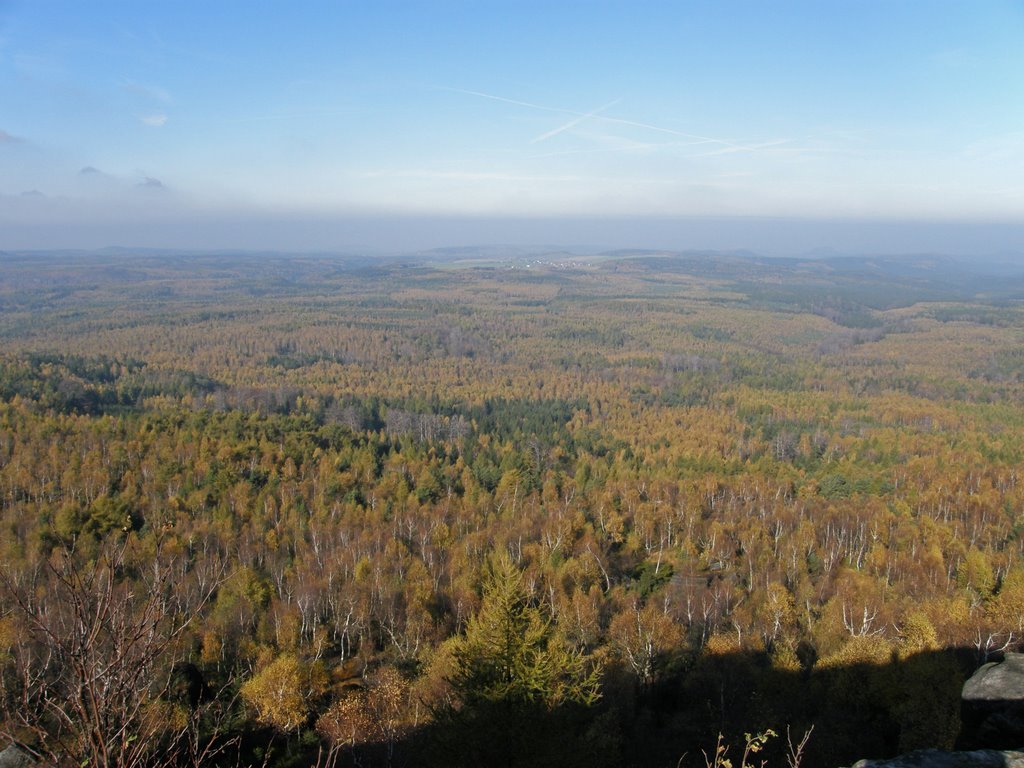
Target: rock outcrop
14, 757
937, 758
992, 706
992, 730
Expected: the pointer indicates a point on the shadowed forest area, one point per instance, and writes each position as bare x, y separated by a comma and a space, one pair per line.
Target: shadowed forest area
867, 707
547, 510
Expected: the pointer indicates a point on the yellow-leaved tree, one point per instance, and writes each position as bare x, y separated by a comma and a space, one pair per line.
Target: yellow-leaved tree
282, 692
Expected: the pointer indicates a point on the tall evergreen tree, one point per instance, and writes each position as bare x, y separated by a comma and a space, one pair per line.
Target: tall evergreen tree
523, 694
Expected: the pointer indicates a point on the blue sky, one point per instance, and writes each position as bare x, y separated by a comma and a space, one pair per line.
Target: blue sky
135, 121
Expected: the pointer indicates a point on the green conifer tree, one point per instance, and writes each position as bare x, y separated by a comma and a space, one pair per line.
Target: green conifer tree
523, 694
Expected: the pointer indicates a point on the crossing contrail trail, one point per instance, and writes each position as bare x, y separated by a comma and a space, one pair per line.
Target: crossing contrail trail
594, 115
574, 122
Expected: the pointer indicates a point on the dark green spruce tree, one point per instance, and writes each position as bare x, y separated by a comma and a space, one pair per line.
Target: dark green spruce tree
523, 695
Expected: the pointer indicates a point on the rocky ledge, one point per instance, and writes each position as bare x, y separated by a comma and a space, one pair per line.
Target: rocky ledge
992, 710
992, 716
936, 758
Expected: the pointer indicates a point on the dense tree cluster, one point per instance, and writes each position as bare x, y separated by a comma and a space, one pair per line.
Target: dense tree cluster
480, 516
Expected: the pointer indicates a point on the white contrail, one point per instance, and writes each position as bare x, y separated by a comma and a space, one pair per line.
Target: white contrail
605, 118
670, 131
574, 122
510, 101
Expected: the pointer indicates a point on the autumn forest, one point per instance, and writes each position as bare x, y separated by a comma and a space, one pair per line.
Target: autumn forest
473, 508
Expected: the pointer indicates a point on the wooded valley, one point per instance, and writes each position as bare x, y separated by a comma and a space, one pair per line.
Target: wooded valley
464, 510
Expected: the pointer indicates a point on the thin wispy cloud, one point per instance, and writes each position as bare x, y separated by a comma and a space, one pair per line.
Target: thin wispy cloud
488, 176
466, 176
636, 148
750, 148
955, 58
1004, 192
574, 122
622, 146
96, 184
216, 56
154, 121
286, 116
153, 92
999, 148
7, 138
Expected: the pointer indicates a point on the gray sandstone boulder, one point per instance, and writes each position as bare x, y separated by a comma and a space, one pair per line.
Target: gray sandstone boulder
936, 758
997, 680
992, 706
992, 732
14, 757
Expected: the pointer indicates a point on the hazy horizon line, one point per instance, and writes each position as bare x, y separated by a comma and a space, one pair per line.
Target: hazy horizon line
385, 234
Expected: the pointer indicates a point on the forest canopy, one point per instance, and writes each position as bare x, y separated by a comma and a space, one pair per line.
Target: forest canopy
310, 510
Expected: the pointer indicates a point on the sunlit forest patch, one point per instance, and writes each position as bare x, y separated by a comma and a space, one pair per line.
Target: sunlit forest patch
701, 495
